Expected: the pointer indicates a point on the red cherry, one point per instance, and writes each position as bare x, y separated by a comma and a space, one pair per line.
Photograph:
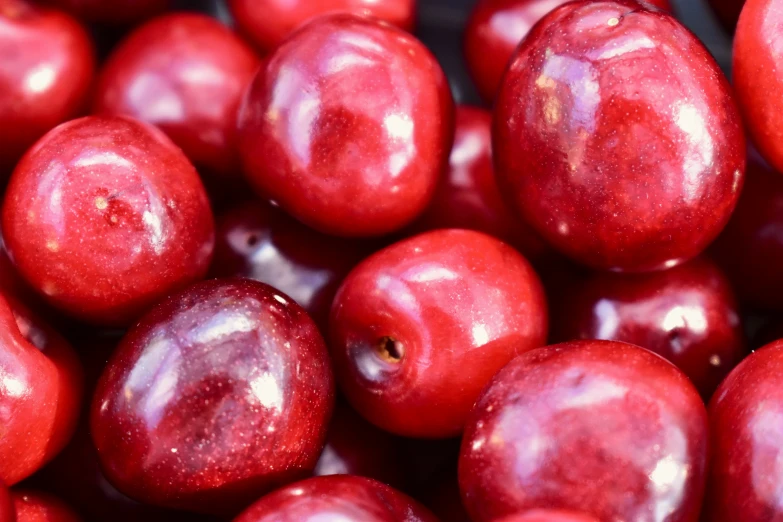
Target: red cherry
468, 196
601, 427
548, 515
33, 506
113, 12
617, 138
348, 126
217, 395
184, 73
687, 314
105, 216
419, 328
40, 389
48, 67
745, 413
342, 498
728, 12
6, 506
268, 23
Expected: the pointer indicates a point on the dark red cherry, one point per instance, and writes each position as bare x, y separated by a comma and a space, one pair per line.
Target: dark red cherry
687, 314
6, 505
104, 216
184, 73
348, 126
40, 391
617, 138
41, 85
420, 327
548, 515
600, 427
268, 23
32, 506
338, 498
745, 478
113, 12
728, 12
217, 395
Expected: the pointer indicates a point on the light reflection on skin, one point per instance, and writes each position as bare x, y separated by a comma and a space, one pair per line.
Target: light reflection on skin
766, 429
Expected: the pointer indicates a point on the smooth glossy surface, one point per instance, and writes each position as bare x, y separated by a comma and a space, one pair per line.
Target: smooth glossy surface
32, 506
348, 126
186, 74
687, 314
41, 85
336, 499
745, 478
468, 195
6, 506
728, 12
105, 216
617, 138
420, 327
268, 23
548, 515
113, 12
601, 427
216, 396
40, 390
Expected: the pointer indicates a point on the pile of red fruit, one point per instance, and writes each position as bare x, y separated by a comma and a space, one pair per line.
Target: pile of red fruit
275, 274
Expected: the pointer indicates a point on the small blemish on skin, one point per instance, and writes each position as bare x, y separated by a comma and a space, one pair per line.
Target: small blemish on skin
52, 245
113, 219
101, 203
613, 21
715, 360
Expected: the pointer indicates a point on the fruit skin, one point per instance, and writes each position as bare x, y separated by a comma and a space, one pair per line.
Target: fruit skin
41, 86
105, 216
420, 327
32, 506
354, 150
650, 200
343, 498
745, 445
6, 505
548, 515
39, 394
184, 73
728, 12
687, 315
217, 395
113, 12
601, 427
267, 24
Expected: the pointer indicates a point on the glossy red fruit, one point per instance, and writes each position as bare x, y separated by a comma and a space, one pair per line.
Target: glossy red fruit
113, 12
687, 314
40, 85
617, 138
216, 396
420, 327
258, 241
548, 515
348, 126
268, 23
745, 479
601, 427
40, 390
341, 497
105, 216
184, 73
468, 196
6, 506
32, 506
728, 12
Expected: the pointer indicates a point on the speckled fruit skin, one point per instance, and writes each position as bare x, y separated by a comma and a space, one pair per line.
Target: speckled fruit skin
32, 506
420, 327
354, 148
687, 314
267, 23
744, 476
226, 392
41, 86
728, 12
601, 427
338, 498
6, 506
548, 515
113, 12
40, 391
104, 216
184, 73
616, 137
468, 195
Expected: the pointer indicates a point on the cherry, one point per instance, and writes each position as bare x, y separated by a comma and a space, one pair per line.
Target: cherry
348, 126
687, 314
618, 174
548, 515
468, 196
601, 427
745, 478
48, 66
40, 390
728, 12
6, 506
184, 73
105, 216
113, 12
268, 23
217, 395
32, 506
420, 327
342, 498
